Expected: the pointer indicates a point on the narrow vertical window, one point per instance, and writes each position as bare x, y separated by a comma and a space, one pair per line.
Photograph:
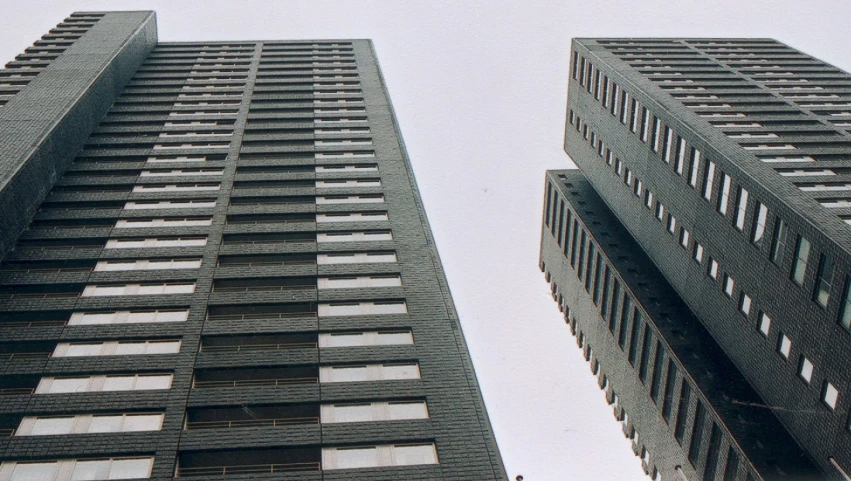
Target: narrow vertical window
668, 145
656, 380
549, 204
604, 302
582, 241
616, 94
559, 223
741, 209
645, 124
802, 257
694, 167
732, 467
668, 396
657, 135
778, 242
681, 156
634, 116
824, 281
598, 269
588, 271
708, 179
682, 412
624, 112
759, 222
597, 82
633, 339
606, 89
845, 308
574, 246
713, 453
567, 223
582, 71
696, 434
644, 363
723, 194
616, 297
623, 329
575, 65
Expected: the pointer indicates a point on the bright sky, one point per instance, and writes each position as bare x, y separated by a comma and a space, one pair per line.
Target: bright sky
479, 89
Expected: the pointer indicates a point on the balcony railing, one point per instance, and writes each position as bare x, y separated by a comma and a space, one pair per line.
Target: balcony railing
259, 347
11, 356
259, 316
255, 382
48, 323
57, 270
7, 433
245, 423
248, 469
38, 295
265, 241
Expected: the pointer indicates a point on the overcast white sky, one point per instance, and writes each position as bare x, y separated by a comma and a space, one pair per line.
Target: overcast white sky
479, 89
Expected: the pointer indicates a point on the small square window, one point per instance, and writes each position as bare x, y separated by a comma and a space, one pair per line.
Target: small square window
697, 254
660, 211
672, 224
712, 269
784, 345
648, 198
805, 369
830, 395
764, 324
745, 304
684, 237
729, 285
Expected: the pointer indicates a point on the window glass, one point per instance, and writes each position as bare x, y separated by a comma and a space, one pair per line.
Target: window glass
106, 424
778, 243
48, 426
162, 347
90, 470
142, 422
131, 468
346, 374
784, 346
118, 383
802, 257
130, 348
759, 222
355, 458
412, 455
406, 410
75, 384
830, 395
153, 382
805, 370
35, 472
353, 413
406, 371
392, 338
75, 350
764, 324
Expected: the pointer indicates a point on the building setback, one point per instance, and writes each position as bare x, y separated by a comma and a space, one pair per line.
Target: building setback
687, 410
727, 161
221, 268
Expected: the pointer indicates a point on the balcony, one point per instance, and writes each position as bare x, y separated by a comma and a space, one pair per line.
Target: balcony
241, 378
251, 416
261, 311
258, 342
247, 462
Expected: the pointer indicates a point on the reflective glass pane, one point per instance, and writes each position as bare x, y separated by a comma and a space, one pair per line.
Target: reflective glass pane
35, 472
90, 470
106, 424
352, 413
153, 382
48, 426
131, 468
143, 422
408, 371
83, 350
356, 458
412, 410
408, 455
76, 384
118, 383
130, 348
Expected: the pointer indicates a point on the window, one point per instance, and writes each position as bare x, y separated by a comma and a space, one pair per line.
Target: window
370, 372
646, 345
764, 324
708, 179
724, 194
656, 379
633, 340
697, 253
845, 308
374, 456
354, 236
645, 124
147, 264
352, 199
805, 369
88, 423
684, 237
712, 455
694, 167
657, 134
77, 469
741, 209
732, 467
98, 383
374, 411
745, 304
138, 289
660, 211
784, 345
115, 348
672, 224
134, 243
127, 317
824, 281
729, 285
637, 188
648, 198
362, 308
353, 282
682, 412
668, 396
712, 268
352, 217
681, 156
802, 256
778, 243
373, 338
829, 395
356, 258
668, 145
759, 221
696, 434
163, 222
169, 204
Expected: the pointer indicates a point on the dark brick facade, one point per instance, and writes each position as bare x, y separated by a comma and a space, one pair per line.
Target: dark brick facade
725, 160
286, 115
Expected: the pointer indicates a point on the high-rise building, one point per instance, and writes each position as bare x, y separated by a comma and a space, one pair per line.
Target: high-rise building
215, 262
728, 164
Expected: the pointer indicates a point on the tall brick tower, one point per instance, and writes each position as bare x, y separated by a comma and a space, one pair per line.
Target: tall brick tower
216, 264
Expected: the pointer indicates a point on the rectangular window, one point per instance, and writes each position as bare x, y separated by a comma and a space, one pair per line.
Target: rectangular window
668, 396
724, 194
684, 237
633, 339
115, 348
598, 269
622, 331
656, 135
100, 383
672, 224
362, 308
580, 269
589, 266
78, 469
732, 467
696, 434
802, 257
697, 253
616, 95
805, 369
656, 379
559, 225
644, 363
127, 317
741, 210
373, 411
634, 117
88, 423
829, 395
745, 304
549, 210
784, 345
668, 150
369, 338
604, 302
712, 455
616, 297
607, 87
660, 211
729, 285
680, 159
708, 179
682, 412
694, 167
369, 372
824, 281
377, 456
845, 308
147, 264
712, 269
624, 105
138, 289
778, 242
574, 244
759, 222
645, 124
764, 324
648, 198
